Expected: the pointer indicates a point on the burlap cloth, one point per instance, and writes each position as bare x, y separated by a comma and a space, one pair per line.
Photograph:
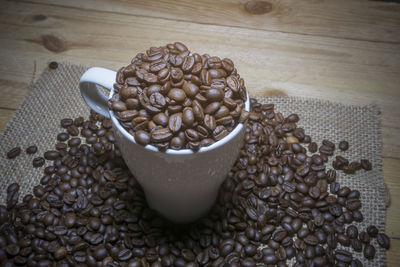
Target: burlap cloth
55, 95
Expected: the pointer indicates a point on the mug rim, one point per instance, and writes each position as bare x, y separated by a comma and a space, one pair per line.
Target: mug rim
186, 151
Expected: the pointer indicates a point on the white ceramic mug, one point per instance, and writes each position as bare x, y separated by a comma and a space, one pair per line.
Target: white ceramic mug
181, 185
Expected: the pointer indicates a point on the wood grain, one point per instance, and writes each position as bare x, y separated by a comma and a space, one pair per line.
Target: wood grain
345, 51
354, 19
391, 175
393, 255
348, 71
5, 115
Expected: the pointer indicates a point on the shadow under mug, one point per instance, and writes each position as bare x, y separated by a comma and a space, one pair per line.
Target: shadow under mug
181, 185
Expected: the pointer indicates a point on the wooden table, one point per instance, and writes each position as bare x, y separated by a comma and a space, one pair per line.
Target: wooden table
341, 50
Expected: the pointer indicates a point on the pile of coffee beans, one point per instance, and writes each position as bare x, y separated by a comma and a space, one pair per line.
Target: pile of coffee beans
171, 98
279, 204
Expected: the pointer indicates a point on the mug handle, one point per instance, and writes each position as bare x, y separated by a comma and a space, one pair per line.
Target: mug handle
90, 92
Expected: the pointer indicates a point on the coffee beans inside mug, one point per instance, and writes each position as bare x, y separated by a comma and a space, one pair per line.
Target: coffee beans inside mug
182, 100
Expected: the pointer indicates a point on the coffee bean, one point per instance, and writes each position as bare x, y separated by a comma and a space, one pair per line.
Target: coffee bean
177, 94
175, 122
209, 122
364, 237
66, 122
372, 231
311, 240
328, 143
142, 137
124, 254
313, 147
369, 251
343, 145
65, 136
352, 232
270, 259
177, 143
383, 240
190, 89
161, 135
70, 220
314, 192
31, 150
76, 141
335, 210
343, 256
356, 263
60, 253
38, 162
366, 165
53, 65
353, 204
343, 239
356, 244
357, 216
51, 155
12, 249
14, 152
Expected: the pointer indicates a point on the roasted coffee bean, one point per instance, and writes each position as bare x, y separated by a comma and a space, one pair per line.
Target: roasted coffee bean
124, 254
53, 65
310, 252
353, 204
60, 253
356, 263
175, 122
357, 216
353, 194
343, 256
76, 141
311, 240
383, 240
66, 122
343, 239
328, 143
343, 145
190, 89
161, 135
352, 232
14, 152
313, 147
270, 259
364, 237
369, 251
335, 210
31, 150
356, 244
372, 231
12, 249
51, 155
142, 137
64, 136
38, 162
366, 165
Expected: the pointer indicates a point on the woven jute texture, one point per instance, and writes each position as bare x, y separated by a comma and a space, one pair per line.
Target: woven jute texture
56, 95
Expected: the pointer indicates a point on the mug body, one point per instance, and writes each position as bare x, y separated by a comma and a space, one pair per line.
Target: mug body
181, 187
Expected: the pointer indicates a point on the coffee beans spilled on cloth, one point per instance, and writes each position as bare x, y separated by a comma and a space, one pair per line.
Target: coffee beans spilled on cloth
277, 205
172, 98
